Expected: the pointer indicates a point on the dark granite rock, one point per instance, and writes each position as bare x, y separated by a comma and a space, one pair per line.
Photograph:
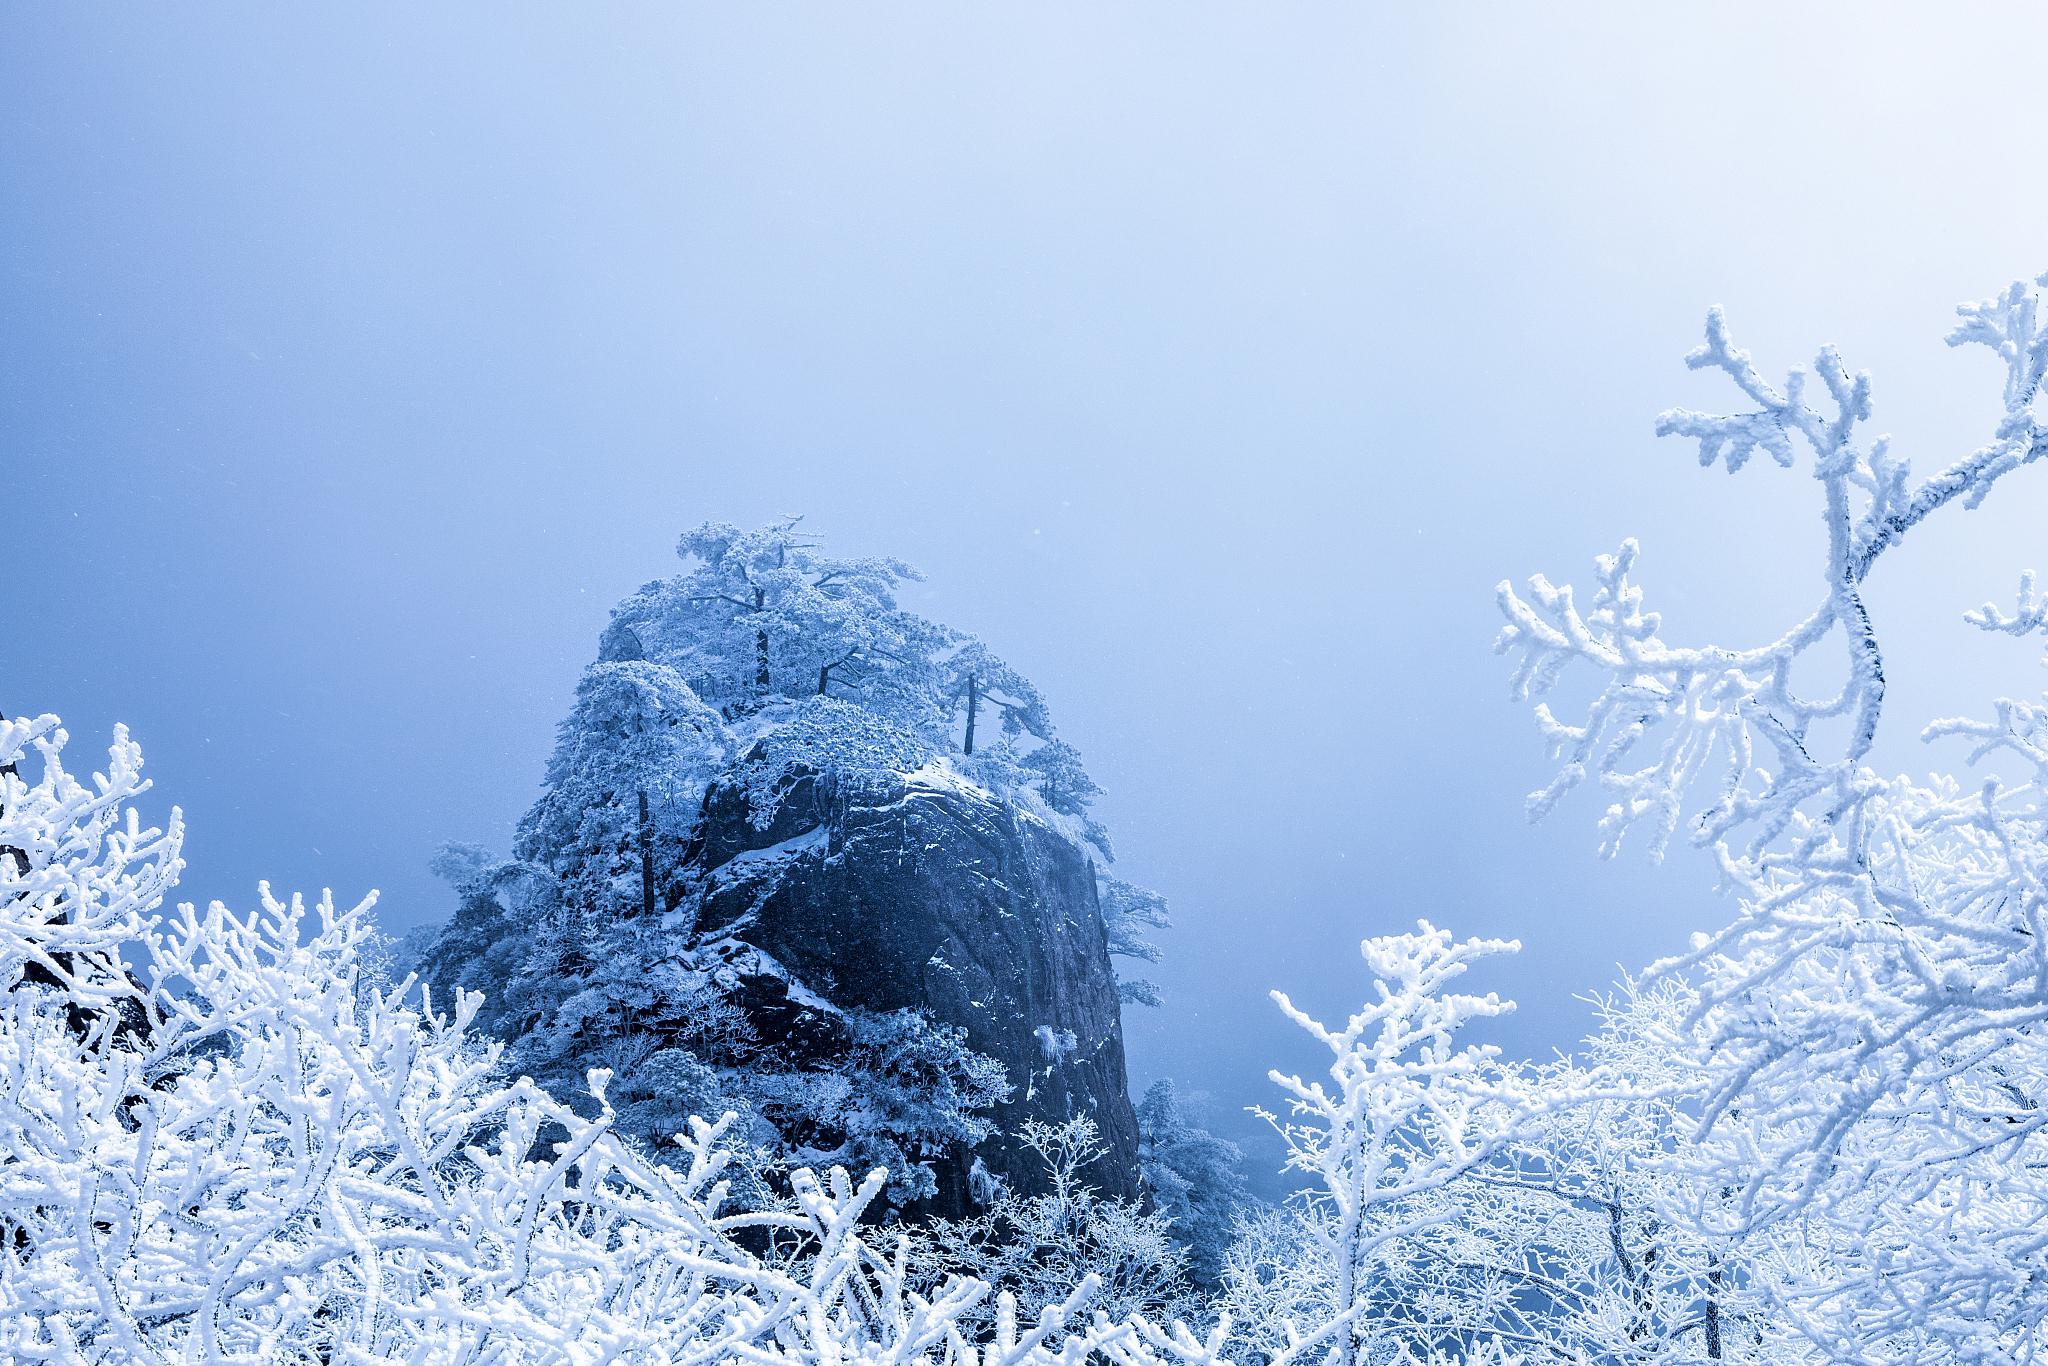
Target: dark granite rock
888, 891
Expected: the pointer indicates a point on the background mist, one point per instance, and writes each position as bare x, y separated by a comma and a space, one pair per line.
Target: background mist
1214, 362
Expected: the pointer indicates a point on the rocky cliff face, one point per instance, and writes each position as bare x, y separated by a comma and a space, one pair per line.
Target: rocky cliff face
919, 890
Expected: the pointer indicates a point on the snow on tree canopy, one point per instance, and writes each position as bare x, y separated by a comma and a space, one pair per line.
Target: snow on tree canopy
759, 615
631, 763
831, 739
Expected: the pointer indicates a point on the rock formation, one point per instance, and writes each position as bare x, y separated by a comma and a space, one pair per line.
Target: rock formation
819, 887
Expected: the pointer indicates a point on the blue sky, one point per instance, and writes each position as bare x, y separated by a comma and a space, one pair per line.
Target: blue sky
1214, 361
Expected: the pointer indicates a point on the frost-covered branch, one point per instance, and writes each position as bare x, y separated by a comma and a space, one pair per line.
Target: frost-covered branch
78, 869
1406, 1110
1667, 718
1866, 1121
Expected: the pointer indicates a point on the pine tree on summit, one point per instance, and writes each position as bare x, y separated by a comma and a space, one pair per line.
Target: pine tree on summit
761, 616
977, 683
630, 766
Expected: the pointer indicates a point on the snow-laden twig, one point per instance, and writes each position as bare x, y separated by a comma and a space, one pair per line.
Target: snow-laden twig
1666, 719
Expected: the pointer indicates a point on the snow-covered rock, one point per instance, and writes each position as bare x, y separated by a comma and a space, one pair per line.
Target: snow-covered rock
884, 890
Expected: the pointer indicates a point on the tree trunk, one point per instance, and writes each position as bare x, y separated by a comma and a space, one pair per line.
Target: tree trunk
1713, 1329
973, 706
646, 859
1633, 1275
761, 679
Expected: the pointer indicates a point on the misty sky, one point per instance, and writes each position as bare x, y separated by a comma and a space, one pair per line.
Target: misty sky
1214, 362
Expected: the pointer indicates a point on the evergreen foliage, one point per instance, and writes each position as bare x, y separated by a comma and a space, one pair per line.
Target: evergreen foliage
1196, 1180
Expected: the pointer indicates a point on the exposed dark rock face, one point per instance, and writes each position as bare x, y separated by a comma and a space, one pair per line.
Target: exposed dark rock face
921, 891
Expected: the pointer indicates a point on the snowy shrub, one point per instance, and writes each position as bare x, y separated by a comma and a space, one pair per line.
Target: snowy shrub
835, 741
1040, 1246
904, 1090
1196, 1180
1561, 1238
1403, 1114
219, 1145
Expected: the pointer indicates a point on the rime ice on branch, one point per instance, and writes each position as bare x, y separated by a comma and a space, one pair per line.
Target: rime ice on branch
1669, 717
81, 870
1867, 1036
1405, 1113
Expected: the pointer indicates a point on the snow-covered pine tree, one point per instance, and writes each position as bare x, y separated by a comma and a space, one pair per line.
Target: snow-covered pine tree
630, 766
1196, 1180
1128, 911
975, 683
760, 616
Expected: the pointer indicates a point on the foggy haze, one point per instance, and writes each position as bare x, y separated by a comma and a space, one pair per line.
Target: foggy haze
1213, 363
